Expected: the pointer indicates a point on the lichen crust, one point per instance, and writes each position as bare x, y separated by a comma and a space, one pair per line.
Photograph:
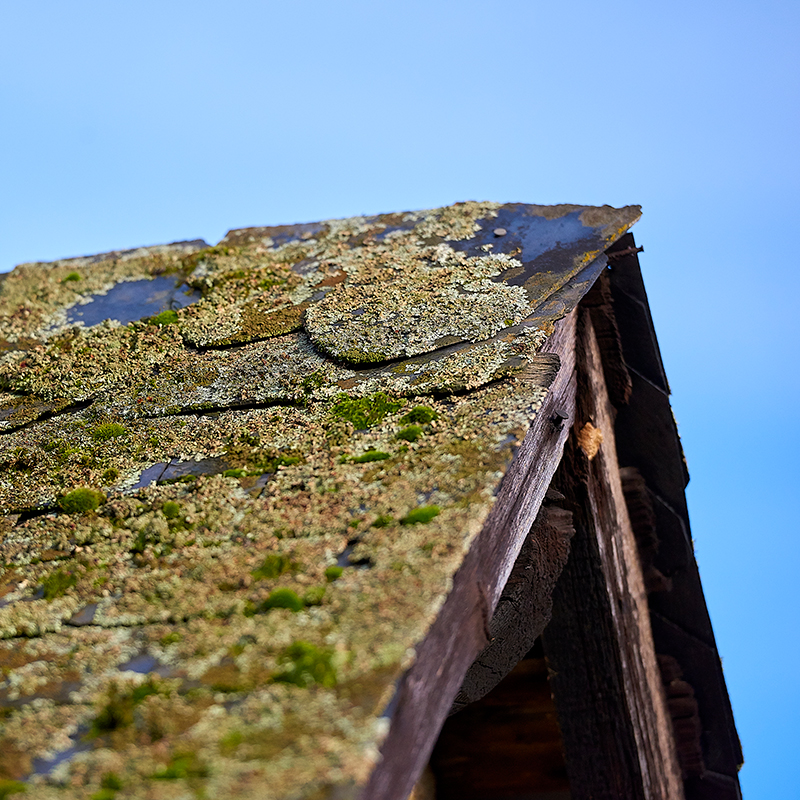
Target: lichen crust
226, 528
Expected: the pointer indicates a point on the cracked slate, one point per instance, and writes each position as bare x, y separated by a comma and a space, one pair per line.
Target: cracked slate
131, 300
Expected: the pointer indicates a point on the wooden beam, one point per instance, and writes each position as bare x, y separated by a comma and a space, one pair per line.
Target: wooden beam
612, 709
461, 630
525, 605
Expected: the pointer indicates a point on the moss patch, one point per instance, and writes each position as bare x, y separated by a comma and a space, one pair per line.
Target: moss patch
371, 455
7, 788
108, 430
81, 500
183, 766
168, 317
273, 566
58, 583
118, 710
421, 514
171, 509
364, 412
410, 434
282, 598
419, 414
306, 664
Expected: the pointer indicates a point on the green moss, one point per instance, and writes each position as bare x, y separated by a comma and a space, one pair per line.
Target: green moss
306, 664
20, 459
235, 473
7, 788
103, 794
171, 509
382, 520
312, 381
168, 317
72, 276
58, 583
230, 742
419, 414
81, 500
371, 455
108, 430
314, 596
111, 781
117, 712
282, 598
421, 514
273, 566
170, 638
364, 412
110, 475
333, 573
182, 766
356, 356
411, 433
139, 543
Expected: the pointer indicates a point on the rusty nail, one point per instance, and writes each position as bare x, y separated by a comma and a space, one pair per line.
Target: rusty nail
500, 231
628, 251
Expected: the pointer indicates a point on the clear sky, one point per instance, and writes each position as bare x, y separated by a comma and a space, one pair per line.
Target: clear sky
126, 124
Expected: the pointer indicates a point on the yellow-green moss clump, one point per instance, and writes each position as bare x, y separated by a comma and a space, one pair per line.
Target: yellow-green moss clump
171, 509
108, 430
371, 455
81, 500
273, 566
421, 514
168, 317
410, 433
419, 414
58, 583
364, 412
305, 664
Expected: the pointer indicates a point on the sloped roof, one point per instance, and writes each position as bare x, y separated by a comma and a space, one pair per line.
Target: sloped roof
233, 509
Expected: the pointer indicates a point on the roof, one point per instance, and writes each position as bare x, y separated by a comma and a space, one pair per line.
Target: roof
237, 482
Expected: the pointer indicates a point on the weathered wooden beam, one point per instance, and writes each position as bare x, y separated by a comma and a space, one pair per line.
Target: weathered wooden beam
461, 630
612, 709
525, 604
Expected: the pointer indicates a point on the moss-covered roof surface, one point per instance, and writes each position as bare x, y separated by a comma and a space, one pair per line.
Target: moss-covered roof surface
237, 481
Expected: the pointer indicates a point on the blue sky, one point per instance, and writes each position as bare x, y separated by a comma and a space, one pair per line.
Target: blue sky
141, 123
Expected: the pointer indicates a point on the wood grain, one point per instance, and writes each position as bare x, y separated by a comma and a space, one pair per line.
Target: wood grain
460, 632
613, 713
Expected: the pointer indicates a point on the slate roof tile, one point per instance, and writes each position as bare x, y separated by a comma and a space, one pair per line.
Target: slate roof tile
228, 523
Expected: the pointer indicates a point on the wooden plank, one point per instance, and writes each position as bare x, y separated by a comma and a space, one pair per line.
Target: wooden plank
616, 725
460, 632
525, 605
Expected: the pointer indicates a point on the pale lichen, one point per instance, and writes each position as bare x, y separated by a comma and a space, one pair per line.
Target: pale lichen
216, 563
